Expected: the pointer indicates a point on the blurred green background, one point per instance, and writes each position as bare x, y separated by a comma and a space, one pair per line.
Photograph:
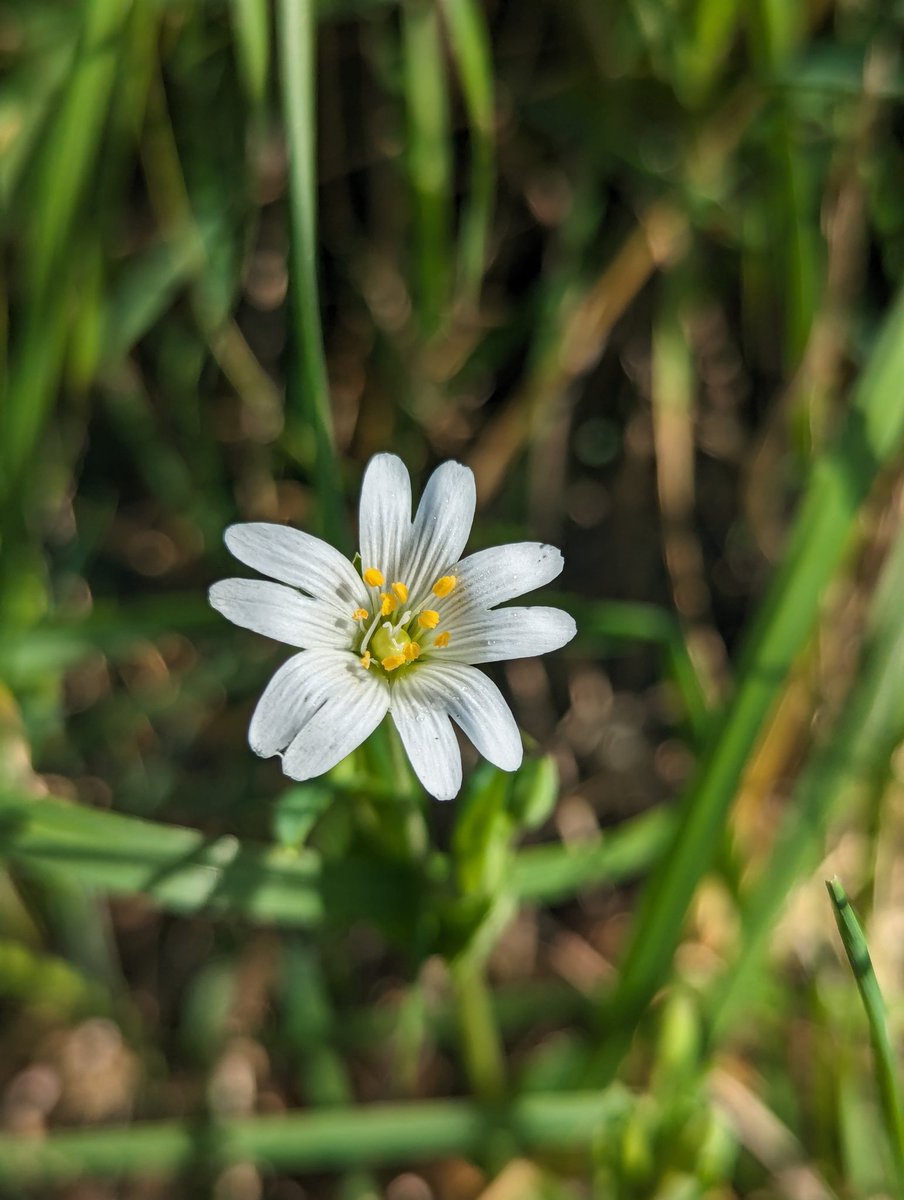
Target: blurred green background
637, 263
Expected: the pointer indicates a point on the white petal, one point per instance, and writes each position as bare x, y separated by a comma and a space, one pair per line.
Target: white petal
427, 735
441, 527
298, 689
353, 705
384, 522
501, 573
293, 556
508, 633
477, 705
279, 612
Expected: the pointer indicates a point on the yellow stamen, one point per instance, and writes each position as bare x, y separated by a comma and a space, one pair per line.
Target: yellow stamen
412, 651
444, 586
359, 614
442, 639
401, 590
373, 577
393, 661
428, 619
365, 660
390, 604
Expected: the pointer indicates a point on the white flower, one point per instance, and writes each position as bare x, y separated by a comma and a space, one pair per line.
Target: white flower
401, 637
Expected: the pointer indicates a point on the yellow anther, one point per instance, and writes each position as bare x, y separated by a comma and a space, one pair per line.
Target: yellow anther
442, 639
401, 590
428, 619
373, 577
365, 660
393, 661
389, 605
444, 586
359, 614
412, 651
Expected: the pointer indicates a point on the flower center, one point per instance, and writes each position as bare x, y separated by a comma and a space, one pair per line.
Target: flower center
386, 639
385, 643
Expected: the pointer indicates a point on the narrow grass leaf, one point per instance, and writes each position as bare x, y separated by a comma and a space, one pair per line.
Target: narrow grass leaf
429, 155
377, 1135
886, 1066
470, 42
297, 35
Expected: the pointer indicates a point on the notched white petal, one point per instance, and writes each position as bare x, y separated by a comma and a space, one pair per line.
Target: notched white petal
298, 558
384, 524
509, 633
475, 703
441, 527
427, 735
280, 613
298, 689
349, 713
501, 573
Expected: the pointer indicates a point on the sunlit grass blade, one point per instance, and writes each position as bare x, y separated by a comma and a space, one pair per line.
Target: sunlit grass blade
185, 871
252, 29
470, 44
70, 148
860, 747
379, 1134
886, 1066
871, 433
428, 157
297, 40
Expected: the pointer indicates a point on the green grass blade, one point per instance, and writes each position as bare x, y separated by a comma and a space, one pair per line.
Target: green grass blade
252, 33
376, 1135
885, 1064
870, 436
297, 33
470, 44
859, 748
549, 874
186, 871
428, 158
71, 147
180, 869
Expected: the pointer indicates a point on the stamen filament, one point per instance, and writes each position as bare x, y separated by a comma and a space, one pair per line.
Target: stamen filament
370, 632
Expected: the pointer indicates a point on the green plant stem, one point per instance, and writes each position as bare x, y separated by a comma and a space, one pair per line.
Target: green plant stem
481, 1043
886, 1066
375, 1135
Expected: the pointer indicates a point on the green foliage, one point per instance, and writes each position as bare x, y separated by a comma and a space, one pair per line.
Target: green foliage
638, 265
